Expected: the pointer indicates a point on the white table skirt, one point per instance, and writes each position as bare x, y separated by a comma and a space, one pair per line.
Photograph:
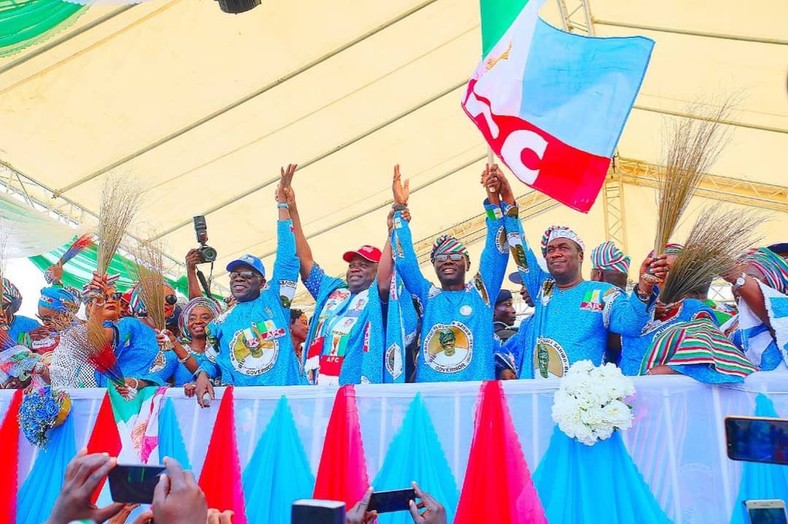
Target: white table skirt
677, 441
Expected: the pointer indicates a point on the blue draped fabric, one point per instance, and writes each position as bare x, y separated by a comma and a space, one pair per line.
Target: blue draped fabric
594, 484
416, 454
170, 438
278, 472
760, 481
37, 495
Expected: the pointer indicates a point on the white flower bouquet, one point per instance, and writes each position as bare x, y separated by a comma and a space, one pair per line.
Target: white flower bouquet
589, 404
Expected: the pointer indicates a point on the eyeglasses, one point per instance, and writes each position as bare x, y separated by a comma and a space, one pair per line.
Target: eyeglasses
46, 319
171, 300
244, 275
451, 256
100, 300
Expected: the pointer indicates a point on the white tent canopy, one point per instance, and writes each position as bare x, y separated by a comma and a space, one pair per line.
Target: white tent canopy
202, 107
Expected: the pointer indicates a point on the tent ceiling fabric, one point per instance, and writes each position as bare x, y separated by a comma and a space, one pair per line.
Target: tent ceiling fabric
202, 108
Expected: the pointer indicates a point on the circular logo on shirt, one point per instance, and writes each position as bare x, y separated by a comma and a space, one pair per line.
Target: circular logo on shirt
250, 354
448, 348
158, 362
550, 359
394, 360
466, 311
500, 240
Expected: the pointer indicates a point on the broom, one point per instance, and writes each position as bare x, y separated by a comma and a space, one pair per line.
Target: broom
119, 203
92, 345
151, 284
693, 146
717, 238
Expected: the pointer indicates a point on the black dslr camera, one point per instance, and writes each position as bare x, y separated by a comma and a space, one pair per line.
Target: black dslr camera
207, 253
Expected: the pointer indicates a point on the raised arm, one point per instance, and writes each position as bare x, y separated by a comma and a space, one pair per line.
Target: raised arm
304, 252
626, 314
492, 266
400, 193
192, 259
405, 258
751, 293
526, 261
286, 265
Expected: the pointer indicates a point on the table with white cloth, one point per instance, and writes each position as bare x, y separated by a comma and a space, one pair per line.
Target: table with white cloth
677, 440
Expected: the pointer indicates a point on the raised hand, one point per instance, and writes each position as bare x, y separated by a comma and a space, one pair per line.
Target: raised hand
505, 189
492, 184
400, 191
434, 512
652, 271
177, 499
358, 514
286, 175
192, 259
83, 475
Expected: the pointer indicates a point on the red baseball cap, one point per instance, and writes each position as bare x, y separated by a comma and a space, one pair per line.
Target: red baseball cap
371, 253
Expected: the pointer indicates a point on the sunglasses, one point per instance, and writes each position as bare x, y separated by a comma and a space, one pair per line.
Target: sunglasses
245, 275
171, 300
46, 319
452, 256
100, 300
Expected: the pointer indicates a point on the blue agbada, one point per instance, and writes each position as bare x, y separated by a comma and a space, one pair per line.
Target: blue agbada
457, 328
402, 321
634, 348
251, 341
345, 340
138, 353
567, 325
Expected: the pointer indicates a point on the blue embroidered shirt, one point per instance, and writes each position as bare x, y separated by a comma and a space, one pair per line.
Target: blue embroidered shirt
567, 325
457, 327
251, 340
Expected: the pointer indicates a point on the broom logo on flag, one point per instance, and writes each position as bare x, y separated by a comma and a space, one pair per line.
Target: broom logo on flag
552, 105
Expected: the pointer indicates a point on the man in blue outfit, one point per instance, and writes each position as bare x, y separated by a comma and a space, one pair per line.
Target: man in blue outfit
457, 327
610, 264
573, 316
346, 336
251, 340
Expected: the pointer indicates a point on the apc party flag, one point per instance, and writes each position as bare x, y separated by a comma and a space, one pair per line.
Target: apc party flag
551, 104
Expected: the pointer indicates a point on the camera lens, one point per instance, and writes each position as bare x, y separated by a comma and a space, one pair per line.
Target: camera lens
207, 254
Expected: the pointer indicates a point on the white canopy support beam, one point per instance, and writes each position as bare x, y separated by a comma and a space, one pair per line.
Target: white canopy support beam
576, 16
614, 210
725, 189
243, 100
63, 209
691, 32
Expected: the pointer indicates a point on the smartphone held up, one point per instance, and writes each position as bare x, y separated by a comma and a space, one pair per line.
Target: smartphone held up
134, 484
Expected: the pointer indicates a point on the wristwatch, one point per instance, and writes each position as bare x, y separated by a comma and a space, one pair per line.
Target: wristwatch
740, 281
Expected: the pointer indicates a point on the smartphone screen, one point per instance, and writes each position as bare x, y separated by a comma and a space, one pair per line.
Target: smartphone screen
389, 501
134, 484
774, 515
757, 439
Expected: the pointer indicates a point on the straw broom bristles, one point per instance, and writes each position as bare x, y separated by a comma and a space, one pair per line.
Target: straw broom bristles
717, 238
119, 203
694, 145
150, 274
95, 347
